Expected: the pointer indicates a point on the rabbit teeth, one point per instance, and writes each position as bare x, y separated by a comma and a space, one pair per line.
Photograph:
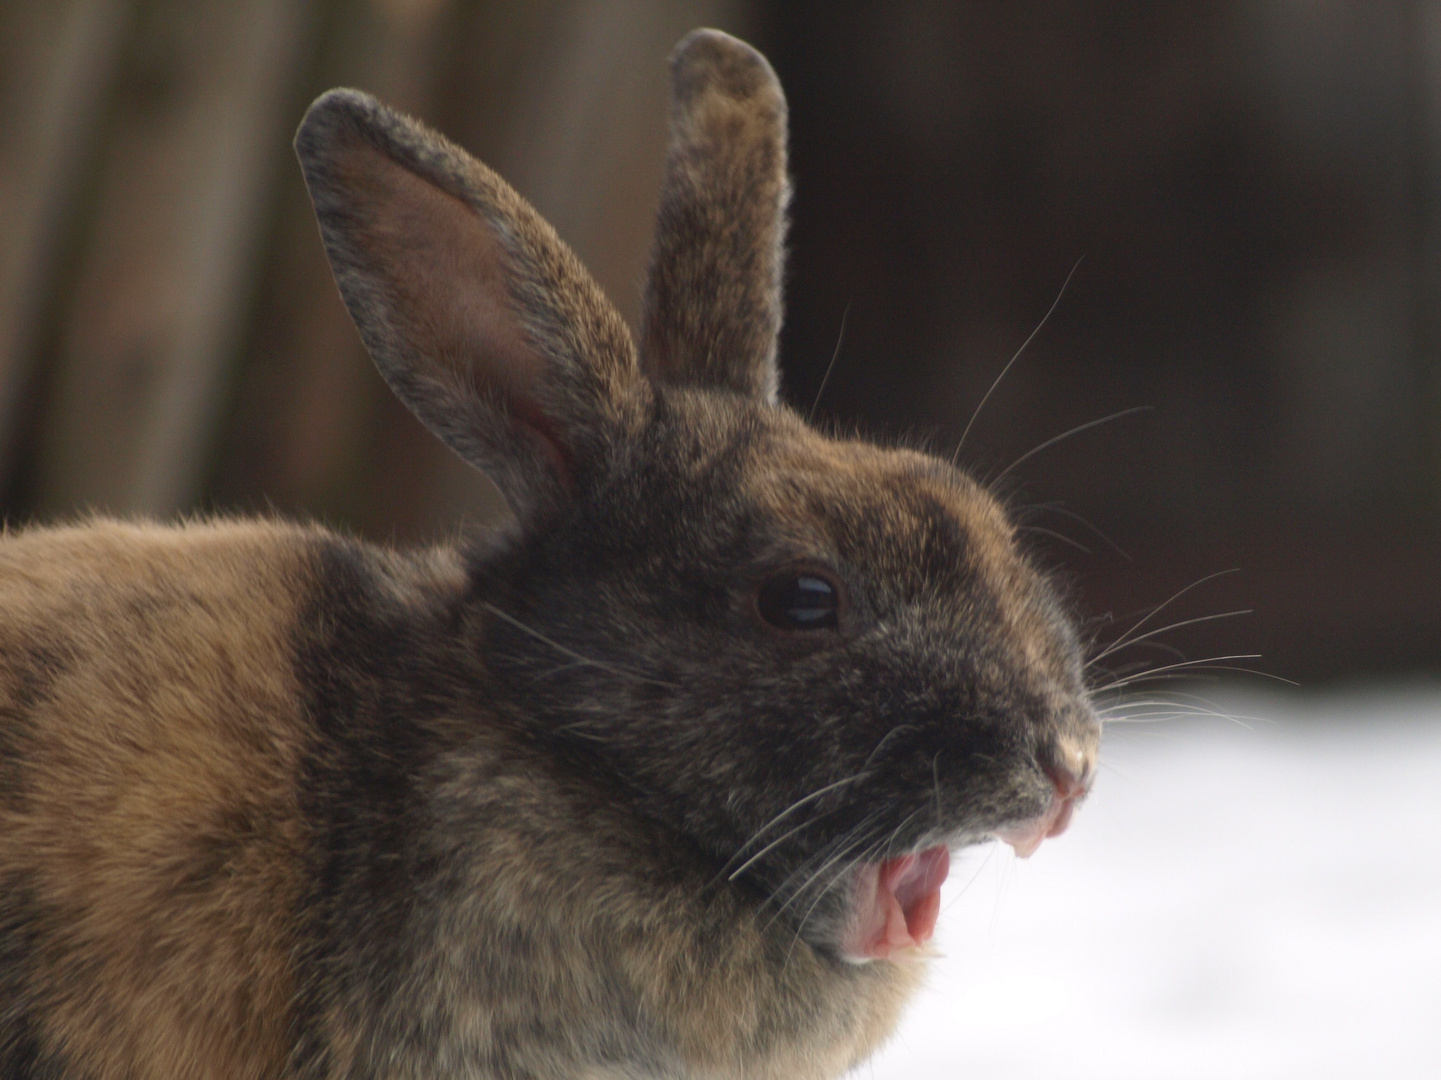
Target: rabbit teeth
1026, 836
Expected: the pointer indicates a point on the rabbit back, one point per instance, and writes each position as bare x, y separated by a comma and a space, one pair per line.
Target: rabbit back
152, 851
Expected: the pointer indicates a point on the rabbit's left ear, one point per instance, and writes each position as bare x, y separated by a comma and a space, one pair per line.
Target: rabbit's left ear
713, 297
478, 316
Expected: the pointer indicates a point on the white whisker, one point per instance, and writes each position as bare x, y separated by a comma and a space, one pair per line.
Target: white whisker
577, 657
1166, 629
840, 337
1067, 434
1011, 362
1180, 665
1162, 607
784, 814
1057, 536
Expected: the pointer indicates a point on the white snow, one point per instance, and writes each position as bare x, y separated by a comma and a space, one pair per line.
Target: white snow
1233, 901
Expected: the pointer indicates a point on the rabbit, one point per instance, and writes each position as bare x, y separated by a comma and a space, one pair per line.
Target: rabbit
659, 779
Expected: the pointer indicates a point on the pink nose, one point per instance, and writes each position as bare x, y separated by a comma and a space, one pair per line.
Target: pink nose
1069, 792
1068, 784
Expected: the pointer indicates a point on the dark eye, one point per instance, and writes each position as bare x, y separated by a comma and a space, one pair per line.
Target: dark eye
799, 601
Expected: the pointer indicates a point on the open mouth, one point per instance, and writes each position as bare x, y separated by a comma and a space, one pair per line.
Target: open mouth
897, 902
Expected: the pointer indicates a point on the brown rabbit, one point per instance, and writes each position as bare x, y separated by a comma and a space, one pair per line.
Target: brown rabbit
658, 781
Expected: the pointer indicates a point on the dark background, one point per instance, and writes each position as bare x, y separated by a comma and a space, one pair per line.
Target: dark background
1249, 195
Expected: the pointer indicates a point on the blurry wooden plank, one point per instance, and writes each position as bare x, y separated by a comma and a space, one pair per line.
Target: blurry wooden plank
1425, 73
303, 437
57, 59
197, 133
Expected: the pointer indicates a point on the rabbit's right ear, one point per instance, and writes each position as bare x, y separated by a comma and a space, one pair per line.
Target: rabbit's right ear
713, 295
478, 316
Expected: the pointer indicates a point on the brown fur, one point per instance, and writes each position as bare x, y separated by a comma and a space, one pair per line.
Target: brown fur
276, 803
721, 223
150, 814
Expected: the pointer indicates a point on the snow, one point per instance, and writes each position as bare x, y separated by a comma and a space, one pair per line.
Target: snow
1256, 899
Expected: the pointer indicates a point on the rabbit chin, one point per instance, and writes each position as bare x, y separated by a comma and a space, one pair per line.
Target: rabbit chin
897, 902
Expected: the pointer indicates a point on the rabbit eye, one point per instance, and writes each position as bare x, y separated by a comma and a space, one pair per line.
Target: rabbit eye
803, 601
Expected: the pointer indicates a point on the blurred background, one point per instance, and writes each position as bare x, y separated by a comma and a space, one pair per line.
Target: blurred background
1246, 199
1249, 194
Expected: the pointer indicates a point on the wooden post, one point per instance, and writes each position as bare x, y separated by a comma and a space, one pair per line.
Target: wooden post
57, 62
166, 276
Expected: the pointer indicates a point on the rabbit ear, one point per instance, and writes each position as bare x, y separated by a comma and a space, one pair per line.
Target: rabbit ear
481, 320
713, 298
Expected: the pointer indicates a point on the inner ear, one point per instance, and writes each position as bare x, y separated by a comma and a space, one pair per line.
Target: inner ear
443, 278
476, 313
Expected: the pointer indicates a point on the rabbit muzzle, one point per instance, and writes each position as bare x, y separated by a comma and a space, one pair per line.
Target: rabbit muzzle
897, 901
1025, 836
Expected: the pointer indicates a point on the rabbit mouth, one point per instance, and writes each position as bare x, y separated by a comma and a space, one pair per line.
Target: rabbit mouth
898, 900
896, 905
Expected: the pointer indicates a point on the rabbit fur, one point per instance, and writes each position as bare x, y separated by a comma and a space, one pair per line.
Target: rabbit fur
571, 799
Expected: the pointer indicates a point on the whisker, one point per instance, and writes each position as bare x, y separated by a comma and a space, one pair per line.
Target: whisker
1146, 677
614, 669
1165, 629
1067, 434
1062, 537
936, 787
1057, 508
884, 739
843, 846
991, 849
1209, 668
840, 337
1150, 643
803, 867
1128, 708
1177, 695
1173, 711
860, 774
563, 668
1128, 680
1210, 664
1136, 666
782, 815
866, 855
1011, 362
1165, 604
1165, 718
828, 854
579, 731
764, 851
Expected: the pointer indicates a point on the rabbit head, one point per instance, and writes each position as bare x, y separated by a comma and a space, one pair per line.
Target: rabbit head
819, 663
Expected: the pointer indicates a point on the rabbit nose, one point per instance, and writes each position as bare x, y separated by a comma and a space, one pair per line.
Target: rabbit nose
1069, 759
1069, 786
1070, 790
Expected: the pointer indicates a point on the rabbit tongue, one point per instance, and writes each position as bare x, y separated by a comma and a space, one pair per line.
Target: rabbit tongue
897, 902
